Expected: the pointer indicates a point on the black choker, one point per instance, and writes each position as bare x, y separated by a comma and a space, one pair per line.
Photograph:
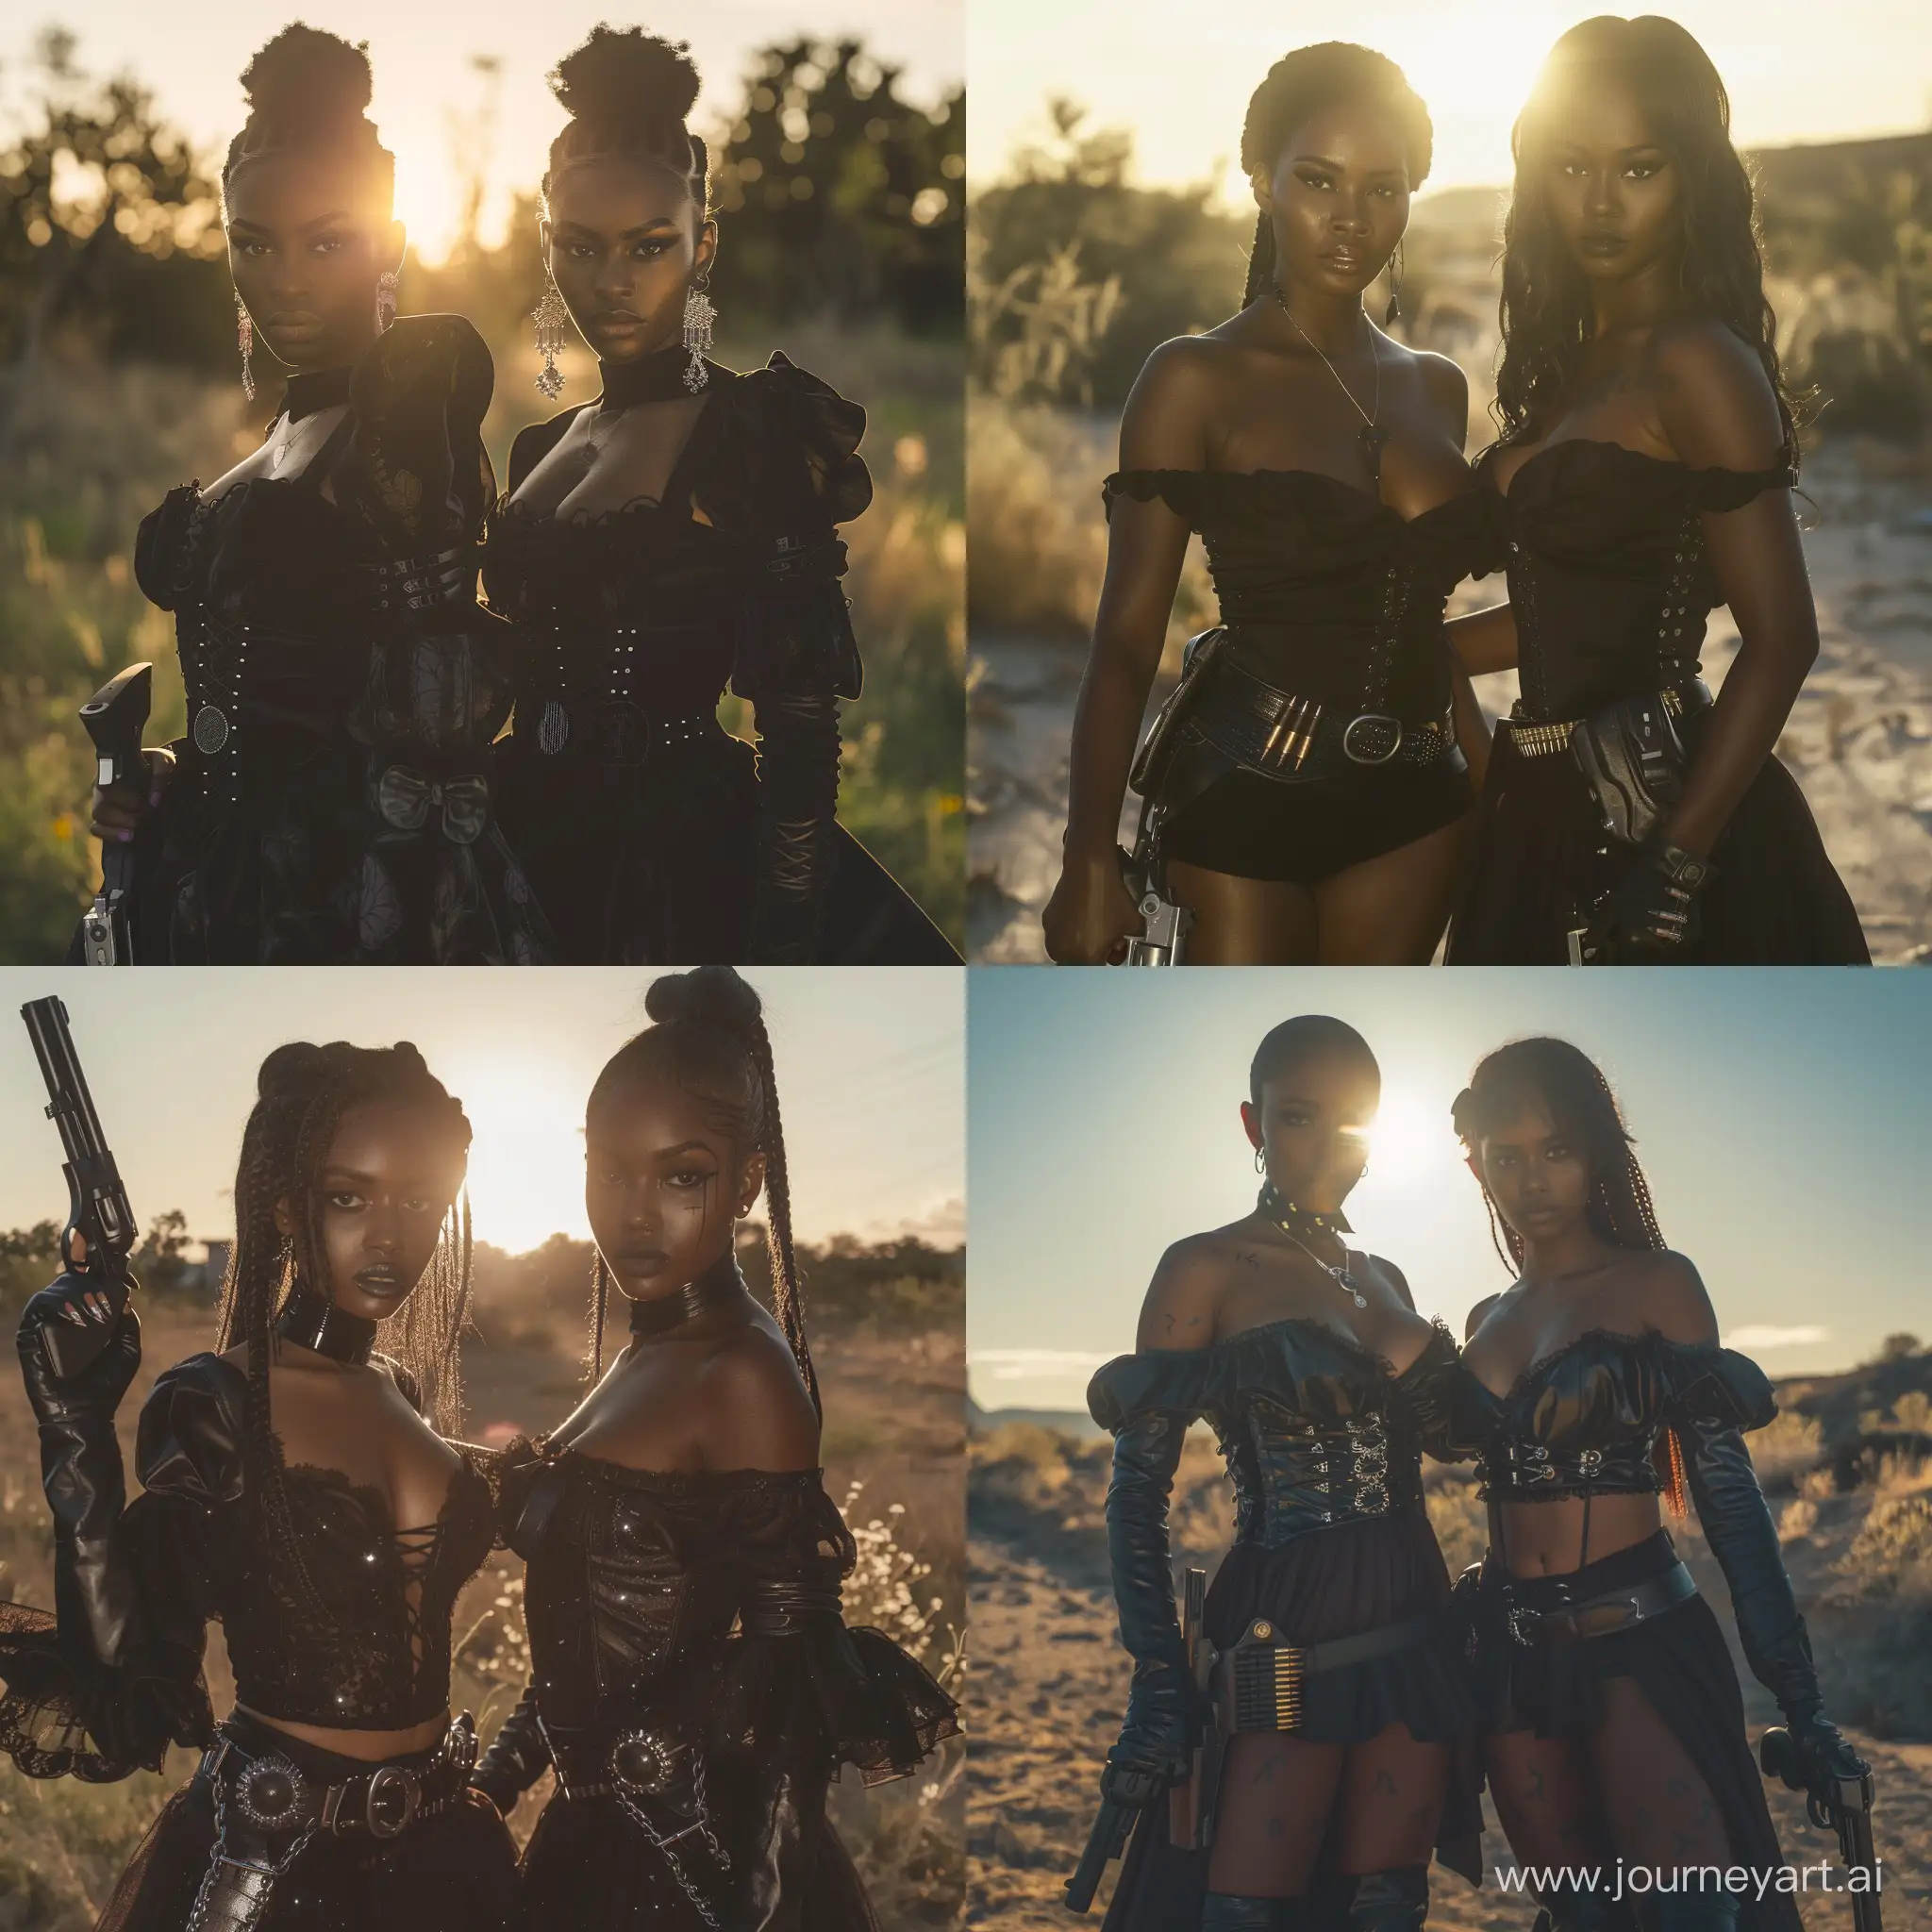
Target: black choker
312, 1322
657, 377
320, 388
717, 1286
1298, 1221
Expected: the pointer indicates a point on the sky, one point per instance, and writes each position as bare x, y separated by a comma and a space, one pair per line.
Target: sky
1181, 75
1782, 1119
190, 53
870, 1073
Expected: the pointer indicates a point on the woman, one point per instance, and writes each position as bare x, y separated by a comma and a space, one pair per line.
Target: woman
1306, 794
331, 800
295, 1490
679, 531
1323, 1384
1613, 1726
1644, 474
684, 1493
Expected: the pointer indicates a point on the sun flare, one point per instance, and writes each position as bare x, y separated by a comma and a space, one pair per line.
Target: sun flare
526, 1158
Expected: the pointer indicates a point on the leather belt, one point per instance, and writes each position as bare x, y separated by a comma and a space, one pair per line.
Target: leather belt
1274, 732
1536, 739
1601, 1615
1258, 1684
615, 731
273, 1795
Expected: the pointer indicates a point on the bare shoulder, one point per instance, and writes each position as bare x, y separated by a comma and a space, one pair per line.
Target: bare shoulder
1446, 386
1164, 426
1668, 1289
1714, 397
1185, 1294
756, 1413
1480, 1314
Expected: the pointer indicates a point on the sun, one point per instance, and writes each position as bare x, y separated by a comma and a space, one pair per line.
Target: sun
1407, 1140
526, 1154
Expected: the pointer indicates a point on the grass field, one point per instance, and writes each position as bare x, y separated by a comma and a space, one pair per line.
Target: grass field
894, 1450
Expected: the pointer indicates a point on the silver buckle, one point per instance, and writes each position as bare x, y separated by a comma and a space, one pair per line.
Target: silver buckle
1516, 1617
388, 1779
1380, 738
271, 1793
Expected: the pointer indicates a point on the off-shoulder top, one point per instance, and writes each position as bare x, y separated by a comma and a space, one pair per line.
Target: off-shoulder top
1328, 590
1316, 1430
1609, 577
711, 1598
1589, 1418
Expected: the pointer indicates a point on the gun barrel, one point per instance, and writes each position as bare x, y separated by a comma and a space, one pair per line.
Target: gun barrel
72, 1107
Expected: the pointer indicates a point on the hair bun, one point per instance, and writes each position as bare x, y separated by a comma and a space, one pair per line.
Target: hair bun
626, 76
707, 996
289, 1068
305, 75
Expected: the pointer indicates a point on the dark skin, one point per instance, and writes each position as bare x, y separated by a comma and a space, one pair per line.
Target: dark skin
1578, 1796
665, 1189
624, 240
1254, 394
1666, 382
306, 250
1280, 1791
383, 1192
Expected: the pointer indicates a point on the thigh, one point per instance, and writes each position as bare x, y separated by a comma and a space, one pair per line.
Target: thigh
1390, 910
1276, 1793
1660, 1810
1546, 1798
1390, 1802
1243, 921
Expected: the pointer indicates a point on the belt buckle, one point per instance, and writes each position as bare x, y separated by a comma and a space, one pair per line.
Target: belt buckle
643, 1760
378, 1804
1372, 739
271, 1793
460, 1747
1518, 1616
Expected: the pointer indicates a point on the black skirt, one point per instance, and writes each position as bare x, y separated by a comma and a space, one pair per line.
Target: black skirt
1537, 865
1680, 1663
455, 1872
1333, 1582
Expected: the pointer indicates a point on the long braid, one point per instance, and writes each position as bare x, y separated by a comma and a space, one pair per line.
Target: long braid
600, 1302
785, 1285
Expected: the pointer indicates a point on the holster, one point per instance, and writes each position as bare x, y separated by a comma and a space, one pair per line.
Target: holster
1198, 658
1633, 761
240, 1880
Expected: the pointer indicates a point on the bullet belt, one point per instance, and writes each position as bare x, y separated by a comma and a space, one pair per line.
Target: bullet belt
1276, 733
1534, 740
1258, 1684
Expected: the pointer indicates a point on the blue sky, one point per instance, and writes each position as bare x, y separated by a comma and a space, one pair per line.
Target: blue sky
870, 1077
1782, 1118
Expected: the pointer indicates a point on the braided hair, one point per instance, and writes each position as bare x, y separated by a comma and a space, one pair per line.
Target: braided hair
1570, 1087
303, 1092
308, 92
709, 1040
627, 92
1304, 82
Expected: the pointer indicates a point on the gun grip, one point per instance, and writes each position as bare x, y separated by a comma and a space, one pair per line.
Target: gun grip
115, 718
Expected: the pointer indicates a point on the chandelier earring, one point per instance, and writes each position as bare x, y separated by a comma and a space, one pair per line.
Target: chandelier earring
384, 300
1394, 308
550, 317
699, 314
244, 337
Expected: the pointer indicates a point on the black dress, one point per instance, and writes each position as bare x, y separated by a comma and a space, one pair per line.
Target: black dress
1591, 1420
653, 835
362, 1644
635, 1582
1323, 1446
331, 803
1611, 583
1285, 765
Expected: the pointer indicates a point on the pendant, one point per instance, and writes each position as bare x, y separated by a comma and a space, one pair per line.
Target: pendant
1374, 438
1345, 1282
211, 730
553, 728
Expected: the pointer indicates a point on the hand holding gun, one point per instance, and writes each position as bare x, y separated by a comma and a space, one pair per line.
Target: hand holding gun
99, 1236
1838, 1787
114, 717
1125, 1791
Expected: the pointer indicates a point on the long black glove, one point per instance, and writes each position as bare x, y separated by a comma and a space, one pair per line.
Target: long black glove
81, 1472
1652, 915
1738, 1525
516, 1759
1160, 1704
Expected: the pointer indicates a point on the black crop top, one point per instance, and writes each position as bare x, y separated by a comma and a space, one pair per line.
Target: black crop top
711, 1597
1609, 577
1587, 1418
1324, 587
1315, 1429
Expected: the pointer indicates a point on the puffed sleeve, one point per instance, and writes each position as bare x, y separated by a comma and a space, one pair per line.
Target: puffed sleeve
63, 1712
798, 1686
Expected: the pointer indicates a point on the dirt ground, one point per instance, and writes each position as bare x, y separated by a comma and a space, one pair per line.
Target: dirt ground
1050, 1684
1860, 740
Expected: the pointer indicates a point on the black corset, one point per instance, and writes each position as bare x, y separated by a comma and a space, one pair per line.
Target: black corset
1293, 1474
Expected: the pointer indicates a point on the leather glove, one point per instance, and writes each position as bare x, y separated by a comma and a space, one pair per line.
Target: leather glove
516, 1759
798, 796
1650, 916
81, 1471
1160, 1704
1738, 1525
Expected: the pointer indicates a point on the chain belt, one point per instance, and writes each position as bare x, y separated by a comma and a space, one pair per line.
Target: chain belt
1534, 740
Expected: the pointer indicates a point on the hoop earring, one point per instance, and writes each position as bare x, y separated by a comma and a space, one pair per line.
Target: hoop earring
700, 312
384, 300
244, 337
550, 317
1261, 1161
1394, 308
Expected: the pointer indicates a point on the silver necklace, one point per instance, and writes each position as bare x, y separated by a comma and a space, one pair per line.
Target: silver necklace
1372, 436
1338, 1275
